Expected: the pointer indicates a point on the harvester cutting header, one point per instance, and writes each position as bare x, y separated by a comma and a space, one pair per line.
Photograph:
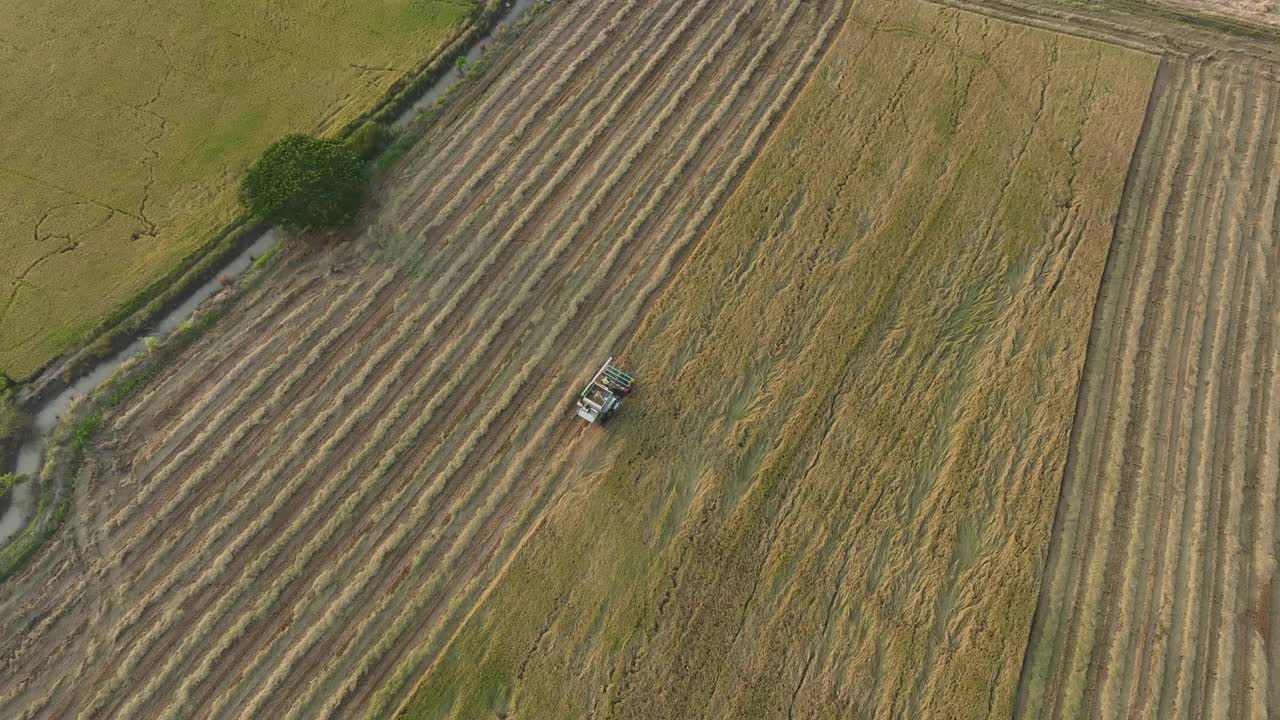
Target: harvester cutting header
602, 397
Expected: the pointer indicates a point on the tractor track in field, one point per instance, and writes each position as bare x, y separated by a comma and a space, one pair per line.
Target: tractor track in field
320, 494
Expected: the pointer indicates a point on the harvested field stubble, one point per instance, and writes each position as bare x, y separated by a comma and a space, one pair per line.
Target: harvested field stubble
1160, 597
834, 493
302, 511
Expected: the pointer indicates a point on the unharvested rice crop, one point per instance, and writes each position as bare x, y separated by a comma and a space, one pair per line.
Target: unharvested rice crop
126, 126
1160, 598
282, 522
833, 495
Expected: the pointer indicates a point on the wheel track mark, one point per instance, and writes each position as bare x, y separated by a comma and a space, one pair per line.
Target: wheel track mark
1052, 260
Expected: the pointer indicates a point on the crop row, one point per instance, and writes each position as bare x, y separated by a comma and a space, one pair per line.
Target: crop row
1159, 556
486, 118
432, 186
267, 319
249, 517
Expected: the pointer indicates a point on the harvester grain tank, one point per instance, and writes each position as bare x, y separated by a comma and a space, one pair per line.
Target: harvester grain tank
602, 397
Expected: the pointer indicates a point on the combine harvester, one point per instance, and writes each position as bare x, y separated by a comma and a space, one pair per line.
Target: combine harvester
602, 397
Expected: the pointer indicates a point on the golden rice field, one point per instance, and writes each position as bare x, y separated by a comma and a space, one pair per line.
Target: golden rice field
954, 323
126, 126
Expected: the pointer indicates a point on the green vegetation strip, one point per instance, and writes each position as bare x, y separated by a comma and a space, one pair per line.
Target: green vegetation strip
74, 435
8, 481
834, 488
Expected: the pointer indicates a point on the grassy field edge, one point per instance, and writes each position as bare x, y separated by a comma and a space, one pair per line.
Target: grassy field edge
124, 324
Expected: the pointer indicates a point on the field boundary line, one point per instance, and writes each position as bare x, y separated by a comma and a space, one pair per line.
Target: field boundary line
1159, 88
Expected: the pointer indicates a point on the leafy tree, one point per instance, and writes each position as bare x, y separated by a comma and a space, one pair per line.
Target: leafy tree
8, 480
305, 182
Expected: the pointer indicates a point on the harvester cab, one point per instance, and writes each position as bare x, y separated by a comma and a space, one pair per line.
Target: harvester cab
602, 396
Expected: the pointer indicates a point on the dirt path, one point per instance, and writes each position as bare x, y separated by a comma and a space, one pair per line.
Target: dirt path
309, 503
1262, 13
